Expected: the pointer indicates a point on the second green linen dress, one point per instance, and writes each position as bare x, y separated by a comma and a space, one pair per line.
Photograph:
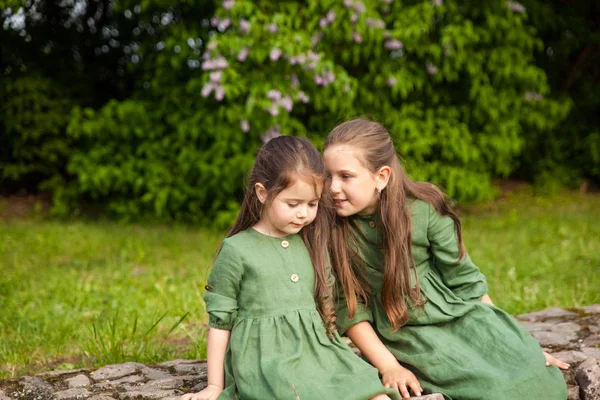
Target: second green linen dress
456, 345
261, 288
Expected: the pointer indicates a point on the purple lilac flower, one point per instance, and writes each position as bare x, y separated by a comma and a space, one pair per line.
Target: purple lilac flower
375, 23
438, 2
207, 89
272, 28
215, 77
219, 93
312, 56
392, 81
354, 17
357, 38
331, 16
323, 22
214, 22
316, 38
301, 59
274, 94
431, 69
286, 103
516, 7
393, 44
271, 134
533, 96
274, 111
225, 23
303, 97
348, 3
359, 7
241, 57
245, 126
244, 26
295, 81
319, 80
228, 4
275, 54
212, 45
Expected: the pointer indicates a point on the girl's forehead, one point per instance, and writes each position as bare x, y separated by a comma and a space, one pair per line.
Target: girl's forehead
343, 155
303, 188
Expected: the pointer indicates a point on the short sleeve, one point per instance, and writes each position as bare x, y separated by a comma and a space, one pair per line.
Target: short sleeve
344, 322
463, 277
222, 289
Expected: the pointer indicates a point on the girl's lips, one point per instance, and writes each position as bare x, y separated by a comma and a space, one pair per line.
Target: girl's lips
339, 202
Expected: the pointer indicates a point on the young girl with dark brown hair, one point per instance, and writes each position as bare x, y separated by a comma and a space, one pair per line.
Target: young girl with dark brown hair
411, 299
272, 330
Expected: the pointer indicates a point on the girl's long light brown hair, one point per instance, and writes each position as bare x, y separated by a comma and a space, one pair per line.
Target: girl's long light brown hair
374, 144
279, 164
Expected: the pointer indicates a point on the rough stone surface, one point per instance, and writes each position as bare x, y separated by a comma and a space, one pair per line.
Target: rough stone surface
588, 376
573, 392
78, 381
571, 335
116, 371
72, 394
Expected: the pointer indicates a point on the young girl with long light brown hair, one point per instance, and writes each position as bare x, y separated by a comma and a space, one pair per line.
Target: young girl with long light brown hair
411, 299
272, 330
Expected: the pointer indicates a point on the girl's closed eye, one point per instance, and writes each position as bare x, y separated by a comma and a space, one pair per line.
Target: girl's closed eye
292, 205
313, 204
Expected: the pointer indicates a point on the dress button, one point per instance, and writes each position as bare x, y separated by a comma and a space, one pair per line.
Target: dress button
294, 278
285, 244
372, 224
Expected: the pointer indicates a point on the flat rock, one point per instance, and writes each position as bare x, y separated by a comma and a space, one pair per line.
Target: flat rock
72, 394
59, 373
3, 396
102, 397
592, 341
153, 373
116, 371
190, 368
571, 356
548, 313
588, 376
591, 352
170, 383
593, 309
560, 334
436, 396
34, 384
168, 364
148, 394
78, 381
573, 392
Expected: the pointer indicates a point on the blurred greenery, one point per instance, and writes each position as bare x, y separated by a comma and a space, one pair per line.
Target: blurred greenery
156, 109
87, 293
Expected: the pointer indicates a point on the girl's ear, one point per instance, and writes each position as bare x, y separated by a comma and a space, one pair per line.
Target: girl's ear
382, 177
261, 192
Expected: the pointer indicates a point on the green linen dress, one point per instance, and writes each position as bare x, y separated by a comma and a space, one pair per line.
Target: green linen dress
261, 288
456, 345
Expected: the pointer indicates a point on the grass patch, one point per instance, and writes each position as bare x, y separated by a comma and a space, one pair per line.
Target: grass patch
92, 293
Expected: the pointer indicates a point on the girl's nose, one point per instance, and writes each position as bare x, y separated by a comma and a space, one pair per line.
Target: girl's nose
334, 186
301, 213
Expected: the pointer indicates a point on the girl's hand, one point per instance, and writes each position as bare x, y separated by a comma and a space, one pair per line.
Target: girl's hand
211, 392
550, 360
401, 379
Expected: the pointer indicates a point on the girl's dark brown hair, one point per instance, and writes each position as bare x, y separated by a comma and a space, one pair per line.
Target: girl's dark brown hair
374, 145
279, 164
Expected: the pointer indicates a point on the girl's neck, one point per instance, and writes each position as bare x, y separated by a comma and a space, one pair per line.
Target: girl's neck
264, 229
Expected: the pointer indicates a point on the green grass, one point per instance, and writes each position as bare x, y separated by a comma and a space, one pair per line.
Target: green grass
91, 293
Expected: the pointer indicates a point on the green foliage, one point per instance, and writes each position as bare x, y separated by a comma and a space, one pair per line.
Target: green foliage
450, 81
34, 114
